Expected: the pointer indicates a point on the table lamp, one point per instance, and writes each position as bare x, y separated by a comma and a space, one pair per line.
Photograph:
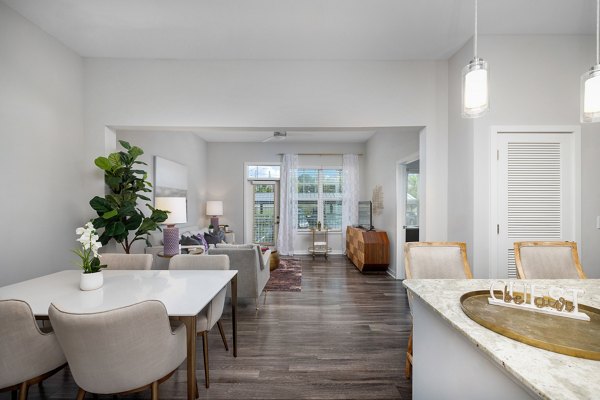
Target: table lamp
178, 215
214, 208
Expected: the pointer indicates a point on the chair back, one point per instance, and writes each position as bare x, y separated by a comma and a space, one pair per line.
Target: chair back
25, 352
548, 260
205, 262
119, 350
436, 260
126, 261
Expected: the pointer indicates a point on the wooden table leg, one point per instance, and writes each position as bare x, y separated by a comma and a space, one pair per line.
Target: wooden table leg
190, 325
234, 312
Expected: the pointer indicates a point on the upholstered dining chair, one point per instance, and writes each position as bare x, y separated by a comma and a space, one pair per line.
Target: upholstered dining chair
125, 350
548, 260
126, 261
212, 313
433, 260
27, 355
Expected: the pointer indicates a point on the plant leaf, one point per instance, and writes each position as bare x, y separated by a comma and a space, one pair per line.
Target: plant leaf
110, 214
125, 144
100, 205
103, 163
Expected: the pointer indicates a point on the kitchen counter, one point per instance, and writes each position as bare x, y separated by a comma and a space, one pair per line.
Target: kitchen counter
454, 357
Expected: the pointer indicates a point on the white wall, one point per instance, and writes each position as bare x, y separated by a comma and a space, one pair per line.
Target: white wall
384, 150
534, 80
184, 148
460, 159
273, 93
226, 178
41, 156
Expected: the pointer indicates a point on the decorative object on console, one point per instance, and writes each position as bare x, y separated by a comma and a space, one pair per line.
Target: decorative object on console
573, 337
91, 276
377, 200
214, 208
119, 212
177, 207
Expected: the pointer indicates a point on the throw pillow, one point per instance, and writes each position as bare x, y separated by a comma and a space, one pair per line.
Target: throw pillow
189, 241
200, 237
211, 238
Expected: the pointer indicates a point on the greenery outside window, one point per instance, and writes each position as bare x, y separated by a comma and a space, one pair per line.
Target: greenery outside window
319, 198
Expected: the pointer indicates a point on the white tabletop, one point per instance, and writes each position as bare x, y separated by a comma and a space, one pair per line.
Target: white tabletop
183, 292
550, 375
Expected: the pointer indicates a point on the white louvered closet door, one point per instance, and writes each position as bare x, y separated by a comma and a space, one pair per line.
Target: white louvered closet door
536, 192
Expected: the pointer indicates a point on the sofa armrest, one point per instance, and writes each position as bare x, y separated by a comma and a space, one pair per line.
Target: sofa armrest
266, 259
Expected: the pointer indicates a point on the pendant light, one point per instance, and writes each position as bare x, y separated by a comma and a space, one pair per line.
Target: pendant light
475, 76
590, 82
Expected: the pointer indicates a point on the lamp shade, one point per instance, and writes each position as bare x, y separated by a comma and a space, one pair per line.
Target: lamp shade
177, 207
214, 207
475, 91
590, 95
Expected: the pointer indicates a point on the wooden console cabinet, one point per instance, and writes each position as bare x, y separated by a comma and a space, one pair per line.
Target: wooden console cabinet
368, 250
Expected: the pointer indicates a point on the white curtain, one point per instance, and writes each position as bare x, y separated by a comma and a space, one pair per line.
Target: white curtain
350, 184
288, 205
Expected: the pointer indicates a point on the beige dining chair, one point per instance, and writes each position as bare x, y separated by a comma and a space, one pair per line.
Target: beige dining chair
27, 355
125, 350
548, 260
433, 260
212, 313
126, 261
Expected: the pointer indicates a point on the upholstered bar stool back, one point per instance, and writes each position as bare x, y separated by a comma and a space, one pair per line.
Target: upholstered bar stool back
25, 352
125, 349
433, 260
436, 260
548, 260
126, 261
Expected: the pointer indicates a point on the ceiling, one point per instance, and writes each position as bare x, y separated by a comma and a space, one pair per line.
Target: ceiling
257, 135
294, 29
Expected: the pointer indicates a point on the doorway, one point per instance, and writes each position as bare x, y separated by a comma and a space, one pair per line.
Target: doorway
265, 212
408, 206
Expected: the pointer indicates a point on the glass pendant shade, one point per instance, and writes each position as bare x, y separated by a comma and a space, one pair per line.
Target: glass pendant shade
475, 90
590, 95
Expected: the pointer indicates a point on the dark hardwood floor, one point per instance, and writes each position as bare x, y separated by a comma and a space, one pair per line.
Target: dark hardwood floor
343, 336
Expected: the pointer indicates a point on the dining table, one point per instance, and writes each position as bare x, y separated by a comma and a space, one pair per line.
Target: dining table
185, 293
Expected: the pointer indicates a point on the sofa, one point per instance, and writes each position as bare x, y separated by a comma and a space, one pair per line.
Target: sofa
252, 266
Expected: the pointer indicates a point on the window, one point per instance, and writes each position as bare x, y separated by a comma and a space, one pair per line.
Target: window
264, 171
319, 198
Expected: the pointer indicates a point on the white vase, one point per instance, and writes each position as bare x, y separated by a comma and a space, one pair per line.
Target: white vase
91, 281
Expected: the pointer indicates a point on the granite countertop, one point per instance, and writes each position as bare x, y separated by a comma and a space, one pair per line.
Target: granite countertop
550, 375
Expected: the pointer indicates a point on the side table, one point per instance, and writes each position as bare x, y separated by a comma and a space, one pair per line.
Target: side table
230, 237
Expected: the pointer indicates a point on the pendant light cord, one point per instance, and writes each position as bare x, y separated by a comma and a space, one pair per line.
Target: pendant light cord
475, 36
597, 32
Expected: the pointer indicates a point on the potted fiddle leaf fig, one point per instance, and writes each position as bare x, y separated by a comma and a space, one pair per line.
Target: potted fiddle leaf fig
119, 214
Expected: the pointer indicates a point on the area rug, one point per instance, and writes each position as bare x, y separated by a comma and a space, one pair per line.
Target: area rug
286, 278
